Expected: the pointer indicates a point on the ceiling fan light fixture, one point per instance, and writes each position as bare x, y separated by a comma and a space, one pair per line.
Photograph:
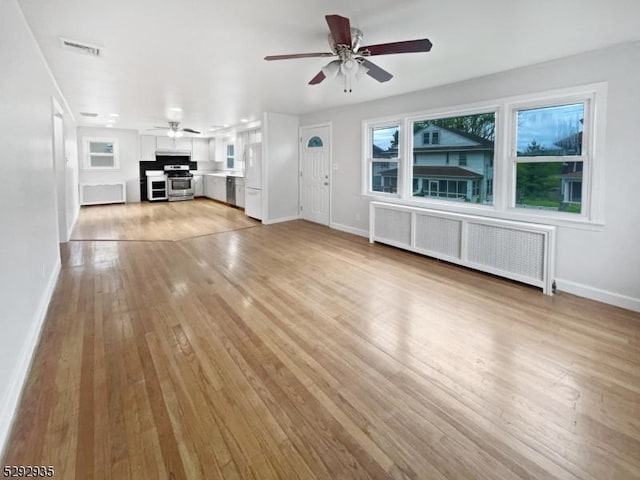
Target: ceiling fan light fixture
362, 71
331, 69
349, 67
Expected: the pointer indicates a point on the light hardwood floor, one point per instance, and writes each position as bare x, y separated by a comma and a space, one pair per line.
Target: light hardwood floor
293, 351
158, 221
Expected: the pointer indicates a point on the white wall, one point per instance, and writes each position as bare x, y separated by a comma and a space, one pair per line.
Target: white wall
603, 264
280, 167
129, 154
29, 249
72, 172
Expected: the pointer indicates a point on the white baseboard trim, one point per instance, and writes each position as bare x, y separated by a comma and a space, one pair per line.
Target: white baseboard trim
599, 295
10, 402
280, 220
348, 229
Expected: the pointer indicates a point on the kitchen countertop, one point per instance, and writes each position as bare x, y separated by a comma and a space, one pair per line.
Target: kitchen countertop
218, 174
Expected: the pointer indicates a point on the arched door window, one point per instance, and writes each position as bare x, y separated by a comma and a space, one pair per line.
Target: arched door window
315, 142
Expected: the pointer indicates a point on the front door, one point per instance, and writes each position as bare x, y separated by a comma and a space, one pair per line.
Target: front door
315, 185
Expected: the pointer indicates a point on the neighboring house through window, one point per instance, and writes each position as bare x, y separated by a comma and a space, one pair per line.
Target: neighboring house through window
467, 139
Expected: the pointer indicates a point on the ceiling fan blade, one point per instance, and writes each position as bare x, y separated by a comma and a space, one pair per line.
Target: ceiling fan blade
190, 130
298, 55
409, 46
318, 78
159, 128
376, 72
340, 28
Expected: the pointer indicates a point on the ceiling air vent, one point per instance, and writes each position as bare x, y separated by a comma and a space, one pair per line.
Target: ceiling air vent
88, 114
80, 47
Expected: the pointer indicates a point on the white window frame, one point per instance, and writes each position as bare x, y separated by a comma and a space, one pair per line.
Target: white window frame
367, 148
227, 144
590, 97
87, 153
504, 181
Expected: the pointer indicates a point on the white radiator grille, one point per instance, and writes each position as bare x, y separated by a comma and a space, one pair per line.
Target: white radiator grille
511, 250
95, 194
516, 250
394, 227
438, 235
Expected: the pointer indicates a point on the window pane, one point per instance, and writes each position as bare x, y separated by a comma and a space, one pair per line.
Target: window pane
460, 150
314, 142
102, 161
385, 142
101, 147
384, 177
555, 186
550, 131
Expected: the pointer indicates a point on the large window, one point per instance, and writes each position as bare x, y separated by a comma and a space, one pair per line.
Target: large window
383, 159
549, 157
101, 154
534, 157
453, 157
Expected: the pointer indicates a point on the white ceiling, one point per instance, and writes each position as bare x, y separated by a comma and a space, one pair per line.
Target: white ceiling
206, 56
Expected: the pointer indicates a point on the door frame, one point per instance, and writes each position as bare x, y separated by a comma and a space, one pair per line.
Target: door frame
301, 147
59, 169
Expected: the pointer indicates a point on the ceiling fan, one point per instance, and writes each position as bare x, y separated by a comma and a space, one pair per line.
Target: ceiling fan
175, 130
345, 43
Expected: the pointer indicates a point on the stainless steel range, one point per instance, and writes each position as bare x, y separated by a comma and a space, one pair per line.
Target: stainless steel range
179, 182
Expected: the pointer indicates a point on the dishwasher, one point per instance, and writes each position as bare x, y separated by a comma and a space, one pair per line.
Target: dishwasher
231, 190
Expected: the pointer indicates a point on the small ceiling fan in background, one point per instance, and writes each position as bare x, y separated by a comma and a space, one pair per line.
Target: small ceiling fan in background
345, 43
175, 130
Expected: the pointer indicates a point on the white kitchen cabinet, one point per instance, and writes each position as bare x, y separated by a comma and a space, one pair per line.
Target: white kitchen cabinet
198, 185
212, 150
240, 196
171, 144
215, 187
220, 189
165, 143
208, 185
147, 148
184, 144
200, 151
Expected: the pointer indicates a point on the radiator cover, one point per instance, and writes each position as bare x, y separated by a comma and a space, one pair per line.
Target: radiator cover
101, 193
516, 250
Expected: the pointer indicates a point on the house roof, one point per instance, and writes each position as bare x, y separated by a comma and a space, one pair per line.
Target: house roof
453, 148
380, 153
482, 142
435, 172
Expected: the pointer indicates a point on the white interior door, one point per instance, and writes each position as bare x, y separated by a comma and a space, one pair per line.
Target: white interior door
315, 182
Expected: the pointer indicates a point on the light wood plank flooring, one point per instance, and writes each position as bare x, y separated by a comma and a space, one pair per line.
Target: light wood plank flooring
293, 351
153, 221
